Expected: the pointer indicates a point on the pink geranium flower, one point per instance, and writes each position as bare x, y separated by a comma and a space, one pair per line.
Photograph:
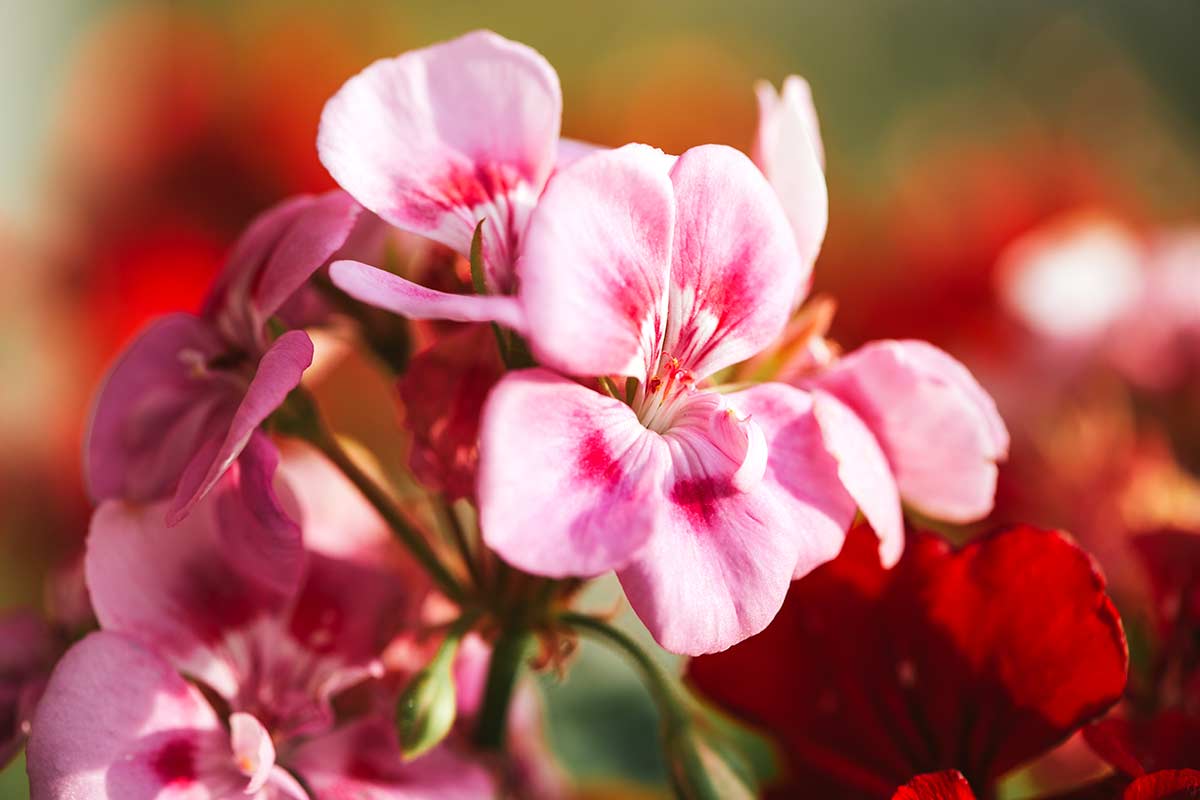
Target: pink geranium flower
436, 140
186, 398
663, 271
272, 628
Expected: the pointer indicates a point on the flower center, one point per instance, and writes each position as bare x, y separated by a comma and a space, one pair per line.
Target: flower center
660, 399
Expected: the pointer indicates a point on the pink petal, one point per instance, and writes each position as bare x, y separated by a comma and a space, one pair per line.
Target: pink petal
735, 269
595, 266
439, 138
571, 150
719, 563
253, 750
316, 234
362, 760
801, 474
938, 427
864, 471
278, 372
185, 591
118, 722
151, 413
788, 149
568, 477
400, 296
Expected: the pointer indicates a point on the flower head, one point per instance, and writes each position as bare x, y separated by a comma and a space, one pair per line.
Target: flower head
185, 400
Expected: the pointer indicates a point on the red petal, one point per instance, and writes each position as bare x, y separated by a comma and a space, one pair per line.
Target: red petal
948, 785
1179, 784
976, 659
443, 392
1170, 740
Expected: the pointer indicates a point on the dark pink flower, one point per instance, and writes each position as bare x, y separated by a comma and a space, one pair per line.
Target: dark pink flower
185, 400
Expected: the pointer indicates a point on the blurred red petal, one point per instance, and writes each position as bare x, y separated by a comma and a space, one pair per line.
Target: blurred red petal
948, 785
976, 659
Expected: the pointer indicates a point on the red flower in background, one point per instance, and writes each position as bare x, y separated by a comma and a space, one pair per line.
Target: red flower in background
975, 659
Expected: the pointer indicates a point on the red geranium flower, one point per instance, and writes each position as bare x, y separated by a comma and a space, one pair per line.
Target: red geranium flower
973, 660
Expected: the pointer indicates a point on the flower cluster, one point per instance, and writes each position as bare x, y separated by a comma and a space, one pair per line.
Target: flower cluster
621, 371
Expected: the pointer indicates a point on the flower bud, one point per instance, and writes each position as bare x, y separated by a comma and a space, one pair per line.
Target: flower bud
426, 711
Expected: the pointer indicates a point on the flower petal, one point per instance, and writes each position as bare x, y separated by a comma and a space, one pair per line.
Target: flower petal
718, 565
595, 265
317, 233
938, 427
1167, 784
735, 269
864, 471
568, 478
253, 750
948, 785
362, 760
27, 652
788, 150
443, 392
439, 138
151, 414
185, 591
118, 722
400, 296
278, 372
975, 659
801, 473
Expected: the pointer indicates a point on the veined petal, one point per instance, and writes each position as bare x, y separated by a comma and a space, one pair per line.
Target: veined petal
596, 262
185, 591
735, 269
400, 296
568, 477
788, 149
278, 372
800, 472
719, 563
439, 138
118, 722
362, 760
864, 471
151, 413
947, 785
939, 429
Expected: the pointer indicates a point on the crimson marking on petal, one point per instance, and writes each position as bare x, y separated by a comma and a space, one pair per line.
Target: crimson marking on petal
217, 601
698, 497
463, 188
175, 763
596, 461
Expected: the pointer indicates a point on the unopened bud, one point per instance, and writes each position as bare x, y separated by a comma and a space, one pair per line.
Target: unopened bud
426, 711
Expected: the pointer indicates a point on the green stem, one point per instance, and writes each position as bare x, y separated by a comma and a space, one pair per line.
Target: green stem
459, 535
306, 423
662, 691
507, 656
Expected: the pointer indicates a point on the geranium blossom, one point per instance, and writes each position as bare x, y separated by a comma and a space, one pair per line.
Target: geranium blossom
973, 660
663, 272
437, 140
185, 400
274, 631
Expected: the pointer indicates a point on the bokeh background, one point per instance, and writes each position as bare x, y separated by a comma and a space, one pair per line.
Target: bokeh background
136, 139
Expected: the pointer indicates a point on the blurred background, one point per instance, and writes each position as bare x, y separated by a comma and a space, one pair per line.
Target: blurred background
138, 138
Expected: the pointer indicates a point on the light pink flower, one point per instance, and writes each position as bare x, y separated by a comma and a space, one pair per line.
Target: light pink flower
436, 140
664, 271
187, 396
274, 628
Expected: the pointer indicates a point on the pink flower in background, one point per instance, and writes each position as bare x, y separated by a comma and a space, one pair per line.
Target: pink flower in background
28, 647
187, 396
1087, 284
436, 140
273, 629
663, 271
